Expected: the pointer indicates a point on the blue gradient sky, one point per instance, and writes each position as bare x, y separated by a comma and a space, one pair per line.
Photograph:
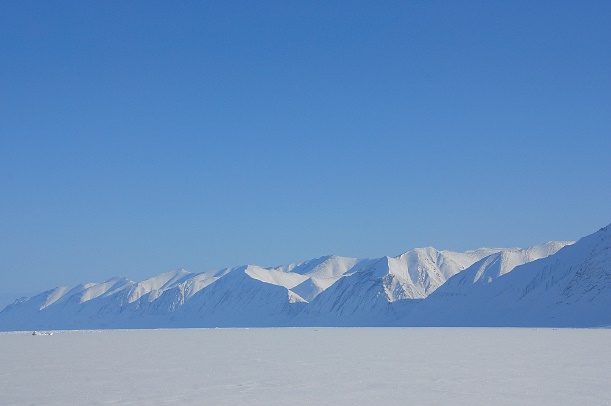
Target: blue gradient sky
139, 137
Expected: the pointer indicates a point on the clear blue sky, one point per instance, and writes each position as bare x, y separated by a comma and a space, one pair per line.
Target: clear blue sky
140, 137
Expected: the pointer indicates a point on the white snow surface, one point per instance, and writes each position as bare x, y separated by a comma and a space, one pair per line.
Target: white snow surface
309, 366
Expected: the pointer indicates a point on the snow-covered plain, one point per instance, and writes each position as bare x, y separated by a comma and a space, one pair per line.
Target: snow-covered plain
317, 366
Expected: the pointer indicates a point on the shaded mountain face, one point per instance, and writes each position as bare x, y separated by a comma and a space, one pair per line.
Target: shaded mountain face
423, 286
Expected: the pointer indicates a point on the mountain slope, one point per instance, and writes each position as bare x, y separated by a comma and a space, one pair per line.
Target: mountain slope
381, 290
571, 288
239, 299
325, 273
498, 264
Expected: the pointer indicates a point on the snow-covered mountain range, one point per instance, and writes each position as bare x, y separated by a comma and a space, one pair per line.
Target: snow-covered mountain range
555, 284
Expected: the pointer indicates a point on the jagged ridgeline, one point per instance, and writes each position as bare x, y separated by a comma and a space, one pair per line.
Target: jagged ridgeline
562, 284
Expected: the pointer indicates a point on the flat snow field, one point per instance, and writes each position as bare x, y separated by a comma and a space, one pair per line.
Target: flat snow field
312, 366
